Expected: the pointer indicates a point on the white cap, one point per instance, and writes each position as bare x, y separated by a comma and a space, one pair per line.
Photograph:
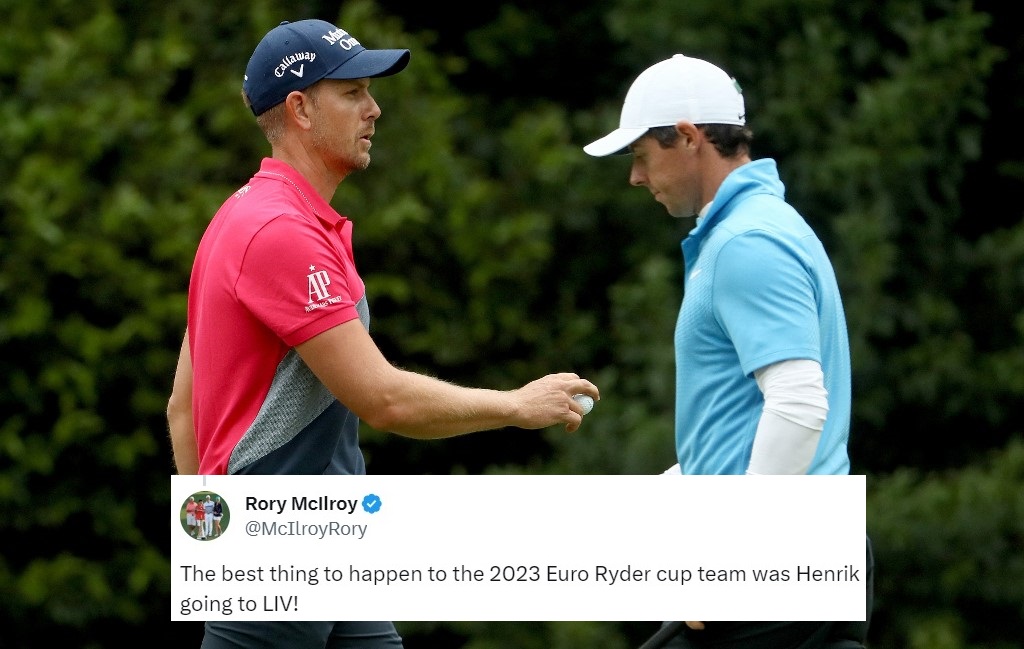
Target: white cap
679, 88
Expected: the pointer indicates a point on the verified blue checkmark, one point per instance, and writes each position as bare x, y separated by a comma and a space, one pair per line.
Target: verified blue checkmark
371, 503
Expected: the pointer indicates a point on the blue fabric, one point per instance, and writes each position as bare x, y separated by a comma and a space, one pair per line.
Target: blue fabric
758, 289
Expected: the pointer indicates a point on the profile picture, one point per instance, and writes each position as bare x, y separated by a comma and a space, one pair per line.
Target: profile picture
205, 516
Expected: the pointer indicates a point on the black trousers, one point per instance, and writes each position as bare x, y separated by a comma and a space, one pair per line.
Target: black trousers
783, 635
301, 635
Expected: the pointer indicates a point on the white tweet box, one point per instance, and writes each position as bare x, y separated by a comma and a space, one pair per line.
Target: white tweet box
522, 547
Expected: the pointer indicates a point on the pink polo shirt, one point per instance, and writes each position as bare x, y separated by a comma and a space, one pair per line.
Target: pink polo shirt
273, 269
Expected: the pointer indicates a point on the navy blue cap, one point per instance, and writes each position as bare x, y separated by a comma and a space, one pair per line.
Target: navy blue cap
293, 56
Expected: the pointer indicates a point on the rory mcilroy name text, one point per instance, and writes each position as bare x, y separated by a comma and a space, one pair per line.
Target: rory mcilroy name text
304, 504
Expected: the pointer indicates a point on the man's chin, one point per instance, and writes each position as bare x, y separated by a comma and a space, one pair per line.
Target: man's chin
678, 212
361, 163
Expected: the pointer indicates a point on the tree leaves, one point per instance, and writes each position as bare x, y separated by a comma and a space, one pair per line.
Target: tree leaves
494, 251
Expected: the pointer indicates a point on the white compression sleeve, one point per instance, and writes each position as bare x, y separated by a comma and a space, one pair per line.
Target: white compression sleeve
795, 407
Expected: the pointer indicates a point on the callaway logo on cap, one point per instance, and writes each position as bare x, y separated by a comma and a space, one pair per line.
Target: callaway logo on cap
293, 56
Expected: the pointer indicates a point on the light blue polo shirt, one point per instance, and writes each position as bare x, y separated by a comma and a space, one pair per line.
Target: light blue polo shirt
759, 289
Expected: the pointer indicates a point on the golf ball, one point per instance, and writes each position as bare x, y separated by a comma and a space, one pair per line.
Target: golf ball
586, 401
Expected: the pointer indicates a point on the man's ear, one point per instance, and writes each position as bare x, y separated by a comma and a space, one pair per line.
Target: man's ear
690, 136
296, 108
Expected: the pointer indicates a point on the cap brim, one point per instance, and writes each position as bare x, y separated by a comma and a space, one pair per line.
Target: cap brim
615, 143
371, 63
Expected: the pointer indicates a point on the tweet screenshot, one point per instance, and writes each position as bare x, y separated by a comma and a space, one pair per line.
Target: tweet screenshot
518, 547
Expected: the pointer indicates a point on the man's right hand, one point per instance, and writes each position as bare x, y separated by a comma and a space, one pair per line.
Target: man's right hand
548, 400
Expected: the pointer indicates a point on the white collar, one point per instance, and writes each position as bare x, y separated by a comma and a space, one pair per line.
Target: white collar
703, 212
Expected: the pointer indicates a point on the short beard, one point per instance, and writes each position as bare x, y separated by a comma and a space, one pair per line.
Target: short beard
320, 142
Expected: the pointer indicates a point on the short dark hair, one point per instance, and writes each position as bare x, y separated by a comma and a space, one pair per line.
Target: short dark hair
271, 121
729, 139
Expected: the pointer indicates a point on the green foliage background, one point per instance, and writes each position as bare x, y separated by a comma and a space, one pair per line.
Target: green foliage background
494, 251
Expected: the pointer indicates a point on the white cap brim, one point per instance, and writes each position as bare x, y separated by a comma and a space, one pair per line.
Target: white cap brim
615, 143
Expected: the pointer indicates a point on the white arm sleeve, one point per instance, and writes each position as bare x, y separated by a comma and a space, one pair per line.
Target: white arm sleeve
795, 407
